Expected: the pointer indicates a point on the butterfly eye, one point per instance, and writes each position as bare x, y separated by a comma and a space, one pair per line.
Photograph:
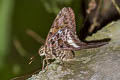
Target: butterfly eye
41, 53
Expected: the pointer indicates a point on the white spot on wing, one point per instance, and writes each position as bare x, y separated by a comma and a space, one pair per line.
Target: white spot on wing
60, 31
71, 42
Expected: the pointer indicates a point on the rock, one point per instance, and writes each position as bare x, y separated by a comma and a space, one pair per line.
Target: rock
101, 63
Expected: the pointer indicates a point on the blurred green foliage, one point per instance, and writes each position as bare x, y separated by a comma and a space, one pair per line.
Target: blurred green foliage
6, 8
16, 46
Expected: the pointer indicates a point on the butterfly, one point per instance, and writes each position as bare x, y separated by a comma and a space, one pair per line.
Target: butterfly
62, 39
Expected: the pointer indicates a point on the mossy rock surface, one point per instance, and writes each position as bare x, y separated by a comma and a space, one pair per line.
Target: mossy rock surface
101, 63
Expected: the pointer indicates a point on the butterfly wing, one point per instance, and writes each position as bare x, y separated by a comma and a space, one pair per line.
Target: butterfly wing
62, 34
64, 19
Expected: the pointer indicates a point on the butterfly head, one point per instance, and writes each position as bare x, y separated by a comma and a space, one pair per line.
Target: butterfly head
42, 51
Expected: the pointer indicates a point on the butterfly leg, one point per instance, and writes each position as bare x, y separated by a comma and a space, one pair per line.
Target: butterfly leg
43, 64
61, 59
47, 62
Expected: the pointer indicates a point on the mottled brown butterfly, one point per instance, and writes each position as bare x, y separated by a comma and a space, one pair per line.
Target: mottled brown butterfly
62, 39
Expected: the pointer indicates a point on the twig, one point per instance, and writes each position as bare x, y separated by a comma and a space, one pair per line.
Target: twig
35, 36
95, 23
19, 47
116, 6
